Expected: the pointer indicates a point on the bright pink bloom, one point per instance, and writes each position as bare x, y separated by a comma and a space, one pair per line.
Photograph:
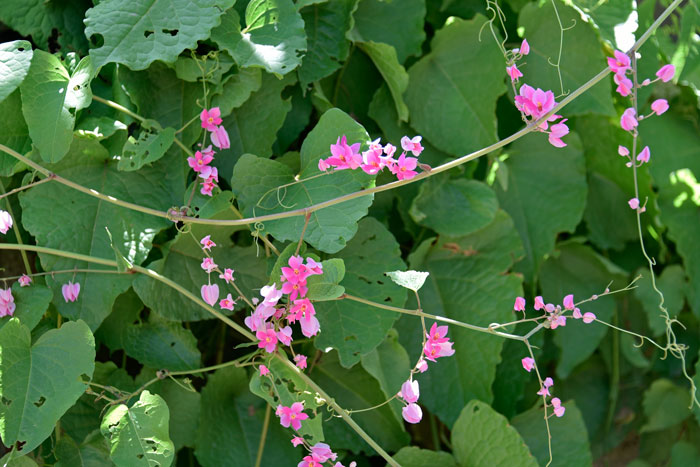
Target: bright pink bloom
666, 73
437, 334
433, 350
293, 415
268, 340
373, 162
410, 391
644, 155
208, 264
5, 221
285, 335
412, 145
404, 167
558, 408
199, 161
513, 72
310, 461
412, 413
322, 165
344, 156
300, 361
309, 326
539, 303
620, 63
313, 267
7, 303
227, 275
295, 290
210, 293
207, 243
534, 102
207, 188
302, 309
70, 291
227, 303
588, 317
524, 48
628, 121
624, 84
577, 313
297, 440
24, 280
569, 302
265, 371
323, 452
557, 132
422, 366
634, 203
296, 272
623, 151
544, 390
519, 304
220, 138
659, 106
211, 118
528, 363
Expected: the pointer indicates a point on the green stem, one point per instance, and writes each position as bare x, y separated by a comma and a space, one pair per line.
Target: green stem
119, 107
263, 435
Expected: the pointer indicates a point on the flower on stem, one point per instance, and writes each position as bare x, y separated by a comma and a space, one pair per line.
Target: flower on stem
7, 302
208, 264
412, 413
210, 118
271, 294
295, 289
344, 156
569, 302
5, 221
310, 461
227, 303
200, 161
410, 391
623, 151
434, 350
313, 267
372, 161
210, 293
264, 371
285, 335
558, 408
634, 203
70, 291
296, 272
528, 363
539, 303
588, 317
293, 415
422, 366
666, 73
24, 280
620, 63
323, 452
659, 106
524, 48
513, 72
557, 132
412, 145
227, 275
624, 84
323, 165
404, 167
220, 138
628, 121
577, 313
644, 155
300, 361
207, 243
309, 326
544, 390
268, 340
519, 304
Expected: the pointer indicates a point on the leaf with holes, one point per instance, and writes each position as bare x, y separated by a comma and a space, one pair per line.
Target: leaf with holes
15, 59
149, 147
40, 382
138, 435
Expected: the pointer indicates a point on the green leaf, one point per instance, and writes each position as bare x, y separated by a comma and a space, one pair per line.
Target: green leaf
665, 405
384, 58
92, 452
184, 419
581, 57
40, 382
50, 98
99, 127
452, 102
482, 437
15, 58
326, 25
539, 172
376, 20
9, 461
273, 38
325, 286
31, 304
15, 134
412, 456
148, 148
210, 68
412, 280
126, 310
672, 284
580, 271
162, 344
454, 206
607, 214
570, 446
138, 435
236, 89
468, 282
230, 424
684, 453
144, 31
607, 15
256, 180
123, 264
352, 327
80, 228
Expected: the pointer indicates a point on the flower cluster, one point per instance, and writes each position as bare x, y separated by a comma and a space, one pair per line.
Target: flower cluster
555, 314
5, 221
319, 453
70, 291
209, 291
211, 121
529, 364
7, 302
376, 158
534, 104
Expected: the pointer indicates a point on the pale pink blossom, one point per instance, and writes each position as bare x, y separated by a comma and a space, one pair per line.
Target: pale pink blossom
322, 165
623, 151
7, 303
659, 106
412, 144
210, 118
569, 302
309, 326
5, 221
528, 363
556, 321
374, 145
666, 73
323, 451
624, 84
422, 366
285, 335
588, 317
297, 440
644, 155
539, 303
300, 361
634, 203
220, 138
200, 161
293, 415
577, 313
544, 390
210, 293
434, 351
557, 132
227, 275
372, 162
513, 72
620, 63
70, 291
412, 413
207, 243
410, 391
264, 371
208, 264
313, 266
389, 149
628, 121
271, 294
558, 408
437, 334
303, 308
524, 48
227, 303
519, 304
24, 280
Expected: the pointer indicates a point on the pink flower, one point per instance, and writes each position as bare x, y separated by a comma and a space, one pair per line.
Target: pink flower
634, 203
344, 156
374, 145
556, 321
539, 303
297, 440
404, 167
659, 106
295, 290
285, 335
534, 102
410, 391
644, 155
227, 275
293, 415
24, 280
227, 303
313, 267
310, 461
623, 151
210, 293
303, 308
513, 72
544, 390
296, 272
271, 294
628, 121
569, 302
666, 73
200, 161
624, 84
389, 149
577, 313
422, 366
264, 371
220, 138
558, 131
558, 408
436, 350
268, 340
519, 304
620, 63
207, 188
412, 413
5, 221
588, 317
322, 165
310, 326
208, 264
437, 334
412, 145
524, 47
70, 291
528, 363
373, 163
300, 361
323, 452
207, 243
210, 119
7, 302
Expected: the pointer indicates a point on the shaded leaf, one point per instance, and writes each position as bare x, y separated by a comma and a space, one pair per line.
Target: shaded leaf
15, 134
665, 405
384, 58
162, 344
15, 58
236, 89
92, 452
325, 286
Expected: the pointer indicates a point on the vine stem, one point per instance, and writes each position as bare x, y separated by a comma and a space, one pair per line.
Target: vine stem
263, 435
15, 228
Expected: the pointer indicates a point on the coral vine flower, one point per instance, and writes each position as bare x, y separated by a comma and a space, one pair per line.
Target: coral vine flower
70, 291
227, 275
524, 48
588, 317
544, 390
404, 167
437, 334
265, 371
200, 161
309, 326
412, 413
634, 203
659, 106
227, 303
207, 243
558, 408
310, 461
220, 138
519, 304
323, 452
557, 132
7, 302
528, 363
422, 366
344, 156
210, 118
5, 221
296, 272
644, 155
303, 308
268, 340
373, 162
412, 145
539, 303
24, 280
295, 289
208, 264
410, 391
666, 73
300, 361
271, 294
620, 63
297, 440
513, 72
628, 121
569, 302
624, 84
623, 151
534, 102
293, 415
210, 293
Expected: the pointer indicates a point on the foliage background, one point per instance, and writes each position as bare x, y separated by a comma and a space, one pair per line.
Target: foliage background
526, 220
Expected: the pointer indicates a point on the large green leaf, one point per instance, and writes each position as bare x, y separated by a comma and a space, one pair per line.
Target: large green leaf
31, 303
384, 58
40, 382
273, 38
469, 282
92, 452
665, 405
352, 327
143, 31
580, 271
538, 173
570, 446
138, 435
326, 286
15, 58
451, 101
326, 25
482, 437
162, 344
255, 181
412, 456
236, 89
607, 213
231, 422
15, 134
50, 98
80, 229
581, 58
